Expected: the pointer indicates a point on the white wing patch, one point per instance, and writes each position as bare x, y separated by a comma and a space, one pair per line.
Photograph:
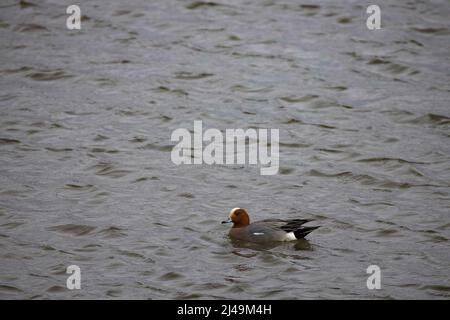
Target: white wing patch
258, 233
290, 236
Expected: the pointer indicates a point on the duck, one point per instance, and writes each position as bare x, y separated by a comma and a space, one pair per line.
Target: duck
268, 230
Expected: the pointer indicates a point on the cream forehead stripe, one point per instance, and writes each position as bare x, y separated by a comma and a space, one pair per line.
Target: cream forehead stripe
233, 210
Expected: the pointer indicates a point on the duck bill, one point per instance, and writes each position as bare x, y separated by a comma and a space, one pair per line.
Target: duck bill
227, 221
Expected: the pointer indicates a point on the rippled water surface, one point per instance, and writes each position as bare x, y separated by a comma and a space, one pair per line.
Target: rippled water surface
86, 177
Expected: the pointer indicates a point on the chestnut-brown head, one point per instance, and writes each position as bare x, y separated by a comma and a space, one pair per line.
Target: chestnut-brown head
239, 217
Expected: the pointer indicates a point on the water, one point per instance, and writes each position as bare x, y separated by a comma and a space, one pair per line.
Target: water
85, 170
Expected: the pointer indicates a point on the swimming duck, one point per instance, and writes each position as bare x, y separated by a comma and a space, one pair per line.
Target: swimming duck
266, 230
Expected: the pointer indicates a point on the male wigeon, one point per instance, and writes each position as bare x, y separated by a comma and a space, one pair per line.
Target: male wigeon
266, 230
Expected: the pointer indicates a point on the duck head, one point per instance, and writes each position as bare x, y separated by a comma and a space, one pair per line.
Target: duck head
239, 217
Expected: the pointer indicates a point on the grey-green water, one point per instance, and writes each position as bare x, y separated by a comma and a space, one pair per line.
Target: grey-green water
86, 176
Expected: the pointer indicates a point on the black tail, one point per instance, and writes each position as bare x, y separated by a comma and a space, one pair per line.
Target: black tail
303, 232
